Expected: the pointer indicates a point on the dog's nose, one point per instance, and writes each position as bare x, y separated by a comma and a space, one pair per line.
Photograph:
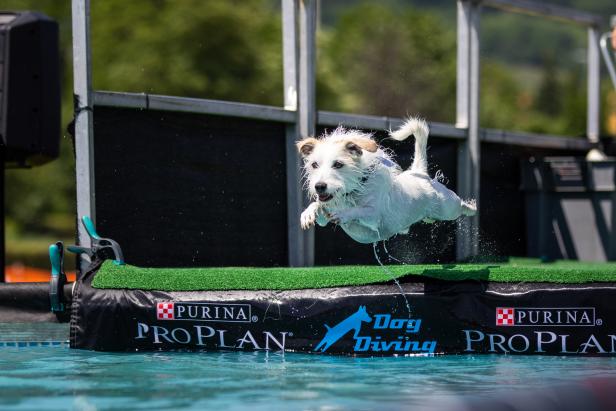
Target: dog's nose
320, 187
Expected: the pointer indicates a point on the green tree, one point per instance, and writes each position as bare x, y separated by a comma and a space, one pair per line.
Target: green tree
392, 62
574, 103
500, 97
228, 50
549, 98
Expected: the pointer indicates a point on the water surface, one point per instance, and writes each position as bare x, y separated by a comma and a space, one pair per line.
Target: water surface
37, 378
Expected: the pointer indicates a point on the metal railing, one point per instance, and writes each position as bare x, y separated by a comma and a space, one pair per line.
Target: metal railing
300, 114
608, 48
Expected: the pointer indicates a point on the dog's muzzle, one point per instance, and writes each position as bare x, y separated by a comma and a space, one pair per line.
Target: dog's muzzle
321, 189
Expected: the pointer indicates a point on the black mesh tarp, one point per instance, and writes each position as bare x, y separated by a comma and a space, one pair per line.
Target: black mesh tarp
178, 189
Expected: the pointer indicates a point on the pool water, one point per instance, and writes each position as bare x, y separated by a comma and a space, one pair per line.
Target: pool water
50, 378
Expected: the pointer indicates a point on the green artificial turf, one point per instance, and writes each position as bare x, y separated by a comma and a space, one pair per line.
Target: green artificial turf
244, 278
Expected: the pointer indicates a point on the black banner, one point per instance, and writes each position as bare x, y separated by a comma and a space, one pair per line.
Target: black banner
444, 317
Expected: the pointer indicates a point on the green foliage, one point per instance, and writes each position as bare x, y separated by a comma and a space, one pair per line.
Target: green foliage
33, 195
499, 95
392, 63
519, 39
548, 99
229, 50
574, 103
555, 105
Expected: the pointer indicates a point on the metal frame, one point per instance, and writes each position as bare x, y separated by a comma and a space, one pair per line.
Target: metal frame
593, 98
467, 117
547, 10
307, 107
606, 51
329, 118
299, 23
297, 239
84, 143
192, 105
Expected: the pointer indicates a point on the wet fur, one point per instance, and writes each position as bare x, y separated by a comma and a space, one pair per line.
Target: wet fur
367, 193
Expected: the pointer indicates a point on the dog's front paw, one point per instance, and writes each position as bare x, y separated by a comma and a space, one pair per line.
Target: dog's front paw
338, 217
308, 218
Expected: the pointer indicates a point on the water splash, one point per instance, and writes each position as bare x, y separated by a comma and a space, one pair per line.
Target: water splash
393, 277
439, 247
391, 257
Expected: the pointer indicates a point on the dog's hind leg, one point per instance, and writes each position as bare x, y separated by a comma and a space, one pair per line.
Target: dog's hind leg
469, 208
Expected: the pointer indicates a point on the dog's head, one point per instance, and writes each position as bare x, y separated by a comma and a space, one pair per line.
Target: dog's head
335, 164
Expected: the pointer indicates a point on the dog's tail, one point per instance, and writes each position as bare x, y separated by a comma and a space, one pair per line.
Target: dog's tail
418, 128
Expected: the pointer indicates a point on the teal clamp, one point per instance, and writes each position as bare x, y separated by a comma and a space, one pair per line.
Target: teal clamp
58, 278
100, 246
89, 226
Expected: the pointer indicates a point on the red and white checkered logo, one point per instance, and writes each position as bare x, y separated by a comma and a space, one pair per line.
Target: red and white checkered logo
164, 311
505, 316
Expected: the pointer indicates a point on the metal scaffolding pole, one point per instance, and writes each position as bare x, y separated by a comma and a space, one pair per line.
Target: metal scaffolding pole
594, 86
296, 238
307, 111
84, 145
299, 57
467, 117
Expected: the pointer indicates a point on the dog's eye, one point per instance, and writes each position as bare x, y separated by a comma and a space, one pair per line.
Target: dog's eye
314, 165
337, 164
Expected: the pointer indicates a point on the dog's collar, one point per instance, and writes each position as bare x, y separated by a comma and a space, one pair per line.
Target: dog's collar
370, 171
386, 162
363, 180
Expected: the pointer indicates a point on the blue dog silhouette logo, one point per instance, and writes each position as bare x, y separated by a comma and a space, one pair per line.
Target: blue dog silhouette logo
352, 322
385, 333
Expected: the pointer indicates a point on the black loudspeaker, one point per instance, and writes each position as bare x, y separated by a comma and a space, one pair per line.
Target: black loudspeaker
29, 88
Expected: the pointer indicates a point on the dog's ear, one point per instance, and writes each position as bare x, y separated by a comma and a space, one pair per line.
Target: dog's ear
357, 144
306, 146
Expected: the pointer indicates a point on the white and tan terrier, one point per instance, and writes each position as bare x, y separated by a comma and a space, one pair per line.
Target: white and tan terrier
356, 184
